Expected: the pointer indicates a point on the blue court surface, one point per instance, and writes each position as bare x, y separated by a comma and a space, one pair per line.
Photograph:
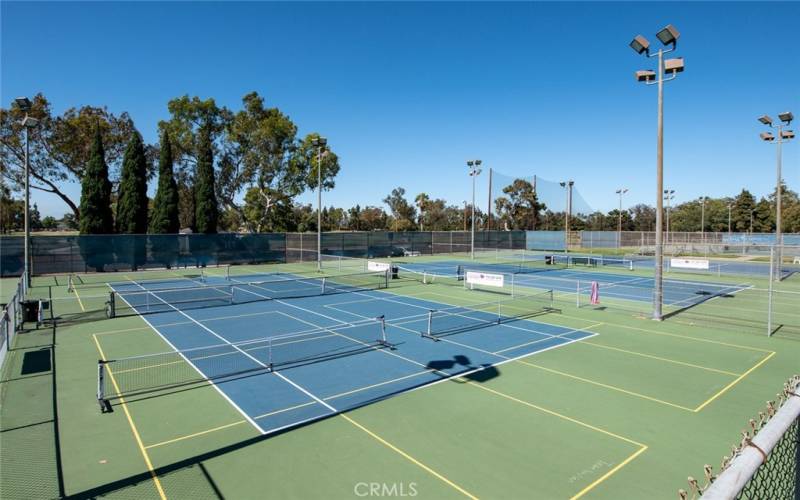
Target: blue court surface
677, 293
326, 351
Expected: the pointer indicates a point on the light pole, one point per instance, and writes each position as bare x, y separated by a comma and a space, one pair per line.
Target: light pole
620, 192
319, 143
668, 36
669, 195
703, 218
783, 135
465, 216
474, 172
27, 123
751, 222
730, 206
567, 185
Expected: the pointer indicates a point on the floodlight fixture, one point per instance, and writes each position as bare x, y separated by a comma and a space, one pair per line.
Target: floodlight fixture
562, 184
640, 44
478, 163
323, 141
645, 75
669, 35
767, 136
674, 65
24, 103
30, 122
766, 120
786, 117
470, 163
787, 134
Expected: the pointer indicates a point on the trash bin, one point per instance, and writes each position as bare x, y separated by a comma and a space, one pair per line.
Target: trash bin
30, 310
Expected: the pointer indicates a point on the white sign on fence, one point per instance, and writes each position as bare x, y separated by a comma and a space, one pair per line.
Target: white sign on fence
487, 279
377, 266
689, 263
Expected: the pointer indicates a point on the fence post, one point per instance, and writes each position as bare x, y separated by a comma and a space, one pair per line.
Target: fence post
769, 291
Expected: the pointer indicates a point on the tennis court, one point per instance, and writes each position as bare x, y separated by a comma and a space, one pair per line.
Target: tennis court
278, 377
226, 381
630, 287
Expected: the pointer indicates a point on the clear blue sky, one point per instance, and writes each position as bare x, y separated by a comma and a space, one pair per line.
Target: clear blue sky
406, 92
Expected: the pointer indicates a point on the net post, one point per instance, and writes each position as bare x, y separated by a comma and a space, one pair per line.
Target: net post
428, 332
769, 290
382, 340
112, 305
101, 384
70, 283
630, 265
228, 272
269, 353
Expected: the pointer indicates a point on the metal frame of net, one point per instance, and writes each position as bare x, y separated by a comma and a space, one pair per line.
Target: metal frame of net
458, 319
766, 463
146, 301
218, 363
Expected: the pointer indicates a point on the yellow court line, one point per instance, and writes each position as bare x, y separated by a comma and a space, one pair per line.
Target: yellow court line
725, 389
410, 458
551, 412
78, 296
666, 360
138, 438
607, 386
609, 473
696, 339
196, 434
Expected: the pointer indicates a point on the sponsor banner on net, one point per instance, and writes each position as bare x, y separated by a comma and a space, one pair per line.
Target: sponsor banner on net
689, 263
486, 279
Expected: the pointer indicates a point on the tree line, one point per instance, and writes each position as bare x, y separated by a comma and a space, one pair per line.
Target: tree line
219, 169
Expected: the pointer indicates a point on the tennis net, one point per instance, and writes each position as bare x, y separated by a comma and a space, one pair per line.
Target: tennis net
458, 319
151, 277
140, 300
218, 363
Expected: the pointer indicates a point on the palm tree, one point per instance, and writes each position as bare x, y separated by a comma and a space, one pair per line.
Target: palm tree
422, 201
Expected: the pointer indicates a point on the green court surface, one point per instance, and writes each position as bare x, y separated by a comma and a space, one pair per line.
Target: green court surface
627, 413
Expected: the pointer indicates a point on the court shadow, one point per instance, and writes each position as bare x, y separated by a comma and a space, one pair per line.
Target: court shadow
36, 362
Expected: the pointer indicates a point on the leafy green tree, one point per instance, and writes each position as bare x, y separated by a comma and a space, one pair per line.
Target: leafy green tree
49, 223
743, 204
70, 221
12, 212
164, 216
35, 220
403, 213
132, 200
268, 211
764, 217
59, 146
353, 218
373, 218
519, 208
206, 207
95, 207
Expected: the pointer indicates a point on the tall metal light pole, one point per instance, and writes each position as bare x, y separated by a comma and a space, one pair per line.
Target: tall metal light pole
567, 185
730, 206
668, 36
27, 123
319, 143
465, 216
751, 221
474, 172
669, 195
620, 192
783, 135
703, 218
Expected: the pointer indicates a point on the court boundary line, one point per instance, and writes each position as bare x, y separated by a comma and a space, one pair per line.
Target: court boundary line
734, 382
666, 360
137, 437
446, 378
172, 346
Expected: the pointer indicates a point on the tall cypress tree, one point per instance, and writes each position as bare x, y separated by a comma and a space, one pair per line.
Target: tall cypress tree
164, 219
206, 209
132, 202
96, 217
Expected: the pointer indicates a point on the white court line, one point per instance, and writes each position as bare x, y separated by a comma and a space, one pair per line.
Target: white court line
228, 399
